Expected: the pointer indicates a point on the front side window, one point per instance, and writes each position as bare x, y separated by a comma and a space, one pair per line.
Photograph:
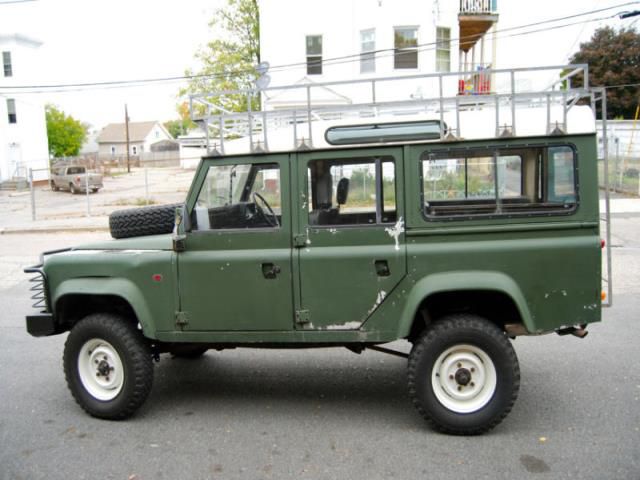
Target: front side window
11, 110
406, 47
6, 64
443, 49
367, 51
358, 191
495, 182
239, 197
314, 54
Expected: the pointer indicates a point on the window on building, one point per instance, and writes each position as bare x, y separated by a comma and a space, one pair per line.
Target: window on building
367, 51
11, 110
510, 181
406, 47
443, 49
6, 63
352, 191
113, 150
314, 54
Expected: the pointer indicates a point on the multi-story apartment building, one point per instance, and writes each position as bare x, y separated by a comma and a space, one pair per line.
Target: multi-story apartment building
23, 130
311, 41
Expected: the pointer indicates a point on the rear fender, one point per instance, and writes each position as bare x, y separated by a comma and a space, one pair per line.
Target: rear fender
460, 281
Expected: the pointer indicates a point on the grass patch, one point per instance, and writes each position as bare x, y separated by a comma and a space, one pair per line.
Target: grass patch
138, 202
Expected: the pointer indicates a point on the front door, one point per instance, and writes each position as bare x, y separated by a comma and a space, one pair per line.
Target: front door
235, 273
349, 243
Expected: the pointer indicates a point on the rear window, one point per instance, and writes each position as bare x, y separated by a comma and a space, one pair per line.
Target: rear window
481, 181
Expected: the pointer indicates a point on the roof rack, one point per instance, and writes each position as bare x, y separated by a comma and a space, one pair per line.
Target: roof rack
500, 92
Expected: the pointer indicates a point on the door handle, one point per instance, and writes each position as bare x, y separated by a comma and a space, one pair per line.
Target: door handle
270, 270
382, 268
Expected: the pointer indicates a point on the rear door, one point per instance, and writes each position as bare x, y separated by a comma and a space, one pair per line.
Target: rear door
349, 240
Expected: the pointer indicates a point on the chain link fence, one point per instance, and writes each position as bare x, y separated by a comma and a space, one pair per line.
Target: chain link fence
142, 182
623, 139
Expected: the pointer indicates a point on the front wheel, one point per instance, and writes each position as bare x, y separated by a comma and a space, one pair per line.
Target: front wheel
108, 366
464, 375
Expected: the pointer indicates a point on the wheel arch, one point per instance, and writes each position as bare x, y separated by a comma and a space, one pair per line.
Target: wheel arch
480, 292
75, 298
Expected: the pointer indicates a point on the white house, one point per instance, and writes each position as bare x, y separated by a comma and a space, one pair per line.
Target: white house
318, 41
23, 129
144, 137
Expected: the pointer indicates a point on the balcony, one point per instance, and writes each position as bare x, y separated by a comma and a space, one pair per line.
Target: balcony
478, 7
475, 18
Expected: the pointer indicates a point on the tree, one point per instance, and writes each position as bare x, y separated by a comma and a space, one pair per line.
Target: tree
183, 124
614, 59
228, 62
66, 134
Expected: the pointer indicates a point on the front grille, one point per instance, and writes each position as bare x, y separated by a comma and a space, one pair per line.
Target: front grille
38, 291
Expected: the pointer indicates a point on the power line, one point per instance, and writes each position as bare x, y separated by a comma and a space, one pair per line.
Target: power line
383, 53
9, 2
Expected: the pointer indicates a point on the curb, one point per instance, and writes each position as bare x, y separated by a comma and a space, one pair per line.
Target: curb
36, 230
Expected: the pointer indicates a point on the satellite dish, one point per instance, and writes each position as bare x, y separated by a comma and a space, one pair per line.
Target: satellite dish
262, 68
263, 82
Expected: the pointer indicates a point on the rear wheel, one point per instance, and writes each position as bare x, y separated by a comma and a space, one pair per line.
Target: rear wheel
108, 366
464, 375
54, 187
73, 189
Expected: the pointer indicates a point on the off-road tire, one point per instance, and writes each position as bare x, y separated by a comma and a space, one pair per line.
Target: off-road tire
138, 222
54, 187
134, 354
461, 333
73, 189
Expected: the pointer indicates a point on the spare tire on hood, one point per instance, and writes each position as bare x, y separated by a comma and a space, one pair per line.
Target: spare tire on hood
138, 222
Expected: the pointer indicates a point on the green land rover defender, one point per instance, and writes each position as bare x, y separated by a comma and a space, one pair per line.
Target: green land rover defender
375, 231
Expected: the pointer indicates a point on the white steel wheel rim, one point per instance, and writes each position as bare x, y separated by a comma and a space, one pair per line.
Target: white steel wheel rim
464, 378
100, 369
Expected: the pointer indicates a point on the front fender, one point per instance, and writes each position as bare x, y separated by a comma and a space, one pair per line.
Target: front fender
119, 287
460, 281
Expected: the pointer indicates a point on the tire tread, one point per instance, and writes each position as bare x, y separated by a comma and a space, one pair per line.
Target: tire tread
446, 325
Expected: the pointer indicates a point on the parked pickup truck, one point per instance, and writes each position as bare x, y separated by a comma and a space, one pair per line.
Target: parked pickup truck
74, 179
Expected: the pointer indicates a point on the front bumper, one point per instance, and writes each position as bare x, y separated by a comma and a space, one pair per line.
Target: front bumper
41, 325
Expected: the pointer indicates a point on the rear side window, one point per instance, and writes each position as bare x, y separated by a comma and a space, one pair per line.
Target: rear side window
481, 182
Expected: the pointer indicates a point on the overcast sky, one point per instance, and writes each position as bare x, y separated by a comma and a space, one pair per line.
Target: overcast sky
95, 41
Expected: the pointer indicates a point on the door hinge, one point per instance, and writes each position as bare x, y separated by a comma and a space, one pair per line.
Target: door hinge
303, 317
181, 319
300, 240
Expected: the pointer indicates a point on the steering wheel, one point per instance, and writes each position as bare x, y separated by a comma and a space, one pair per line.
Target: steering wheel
271, 218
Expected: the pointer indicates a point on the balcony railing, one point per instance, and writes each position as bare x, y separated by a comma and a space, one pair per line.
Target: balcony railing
474, 7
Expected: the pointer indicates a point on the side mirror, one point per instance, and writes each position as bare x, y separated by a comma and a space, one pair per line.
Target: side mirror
179, 229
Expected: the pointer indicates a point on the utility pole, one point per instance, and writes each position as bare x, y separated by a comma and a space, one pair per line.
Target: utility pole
126, 127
